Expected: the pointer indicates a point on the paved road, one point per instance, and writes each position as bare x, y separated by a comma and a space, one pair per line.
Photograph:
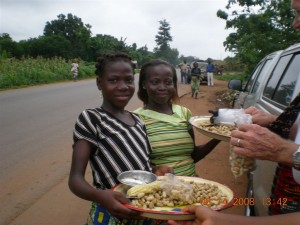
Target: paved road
36, 137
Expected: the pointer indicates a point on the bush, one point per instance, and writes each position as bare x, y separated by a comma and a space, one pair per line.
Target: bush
28, 71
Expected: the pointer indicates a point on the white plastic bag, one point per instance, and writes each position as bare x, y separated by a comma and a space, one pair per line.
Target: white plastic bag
238, 164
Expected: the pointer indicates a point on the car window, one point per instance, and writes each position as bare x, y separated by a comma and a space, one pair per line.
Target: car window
275, 76
261, 75
278, 90
284, 92
252, 78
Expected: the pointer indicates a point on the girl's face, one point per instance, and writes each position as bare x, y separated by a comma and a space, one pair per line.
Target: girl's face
159, 84
117, 84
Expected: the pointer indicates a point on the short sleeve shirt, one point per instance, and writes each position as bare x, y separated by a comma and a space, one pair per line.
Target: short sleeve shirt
117, 147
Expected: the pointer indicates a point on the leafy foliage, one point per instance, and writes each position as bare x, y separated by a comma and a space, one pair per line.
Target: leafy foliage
30, 71
162, 39
261, 27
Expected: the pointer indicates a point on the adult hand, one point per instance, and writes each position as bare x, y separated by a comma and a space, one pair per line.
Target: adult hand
114, 202
259, 117
254, 141
162, 170
203, 216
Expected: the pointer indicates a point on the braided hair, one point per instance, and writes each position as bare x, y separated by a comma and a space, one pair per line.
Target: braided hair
142, 93
108, 58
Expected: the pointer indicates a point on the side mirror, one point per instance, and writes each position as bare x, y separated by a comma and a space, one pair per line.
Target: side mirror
235, 84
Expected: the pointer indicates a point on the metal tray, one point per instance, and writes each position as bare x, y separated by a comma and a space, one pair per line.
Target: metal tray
175, 213
196, 119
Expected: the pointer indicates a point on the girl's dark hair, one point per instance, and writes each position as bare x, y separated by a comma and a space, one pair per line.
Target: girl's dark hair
142, 93
108, 58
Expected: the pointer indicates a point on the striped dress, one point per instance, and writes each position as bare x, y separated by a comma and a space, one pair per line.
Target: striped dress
117, 147
169, 138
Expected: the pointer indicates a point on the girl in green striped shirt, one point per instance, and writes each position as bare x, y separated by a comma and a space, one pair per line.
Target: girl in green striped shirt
170, 134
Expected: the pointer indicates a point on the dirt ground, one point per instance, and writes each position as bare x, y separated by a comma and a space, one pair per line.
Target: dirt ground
60, 206
214, 166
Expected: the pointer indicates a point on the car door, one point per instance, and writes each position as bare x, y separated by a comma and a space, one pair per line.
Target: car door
253, 88
281, 87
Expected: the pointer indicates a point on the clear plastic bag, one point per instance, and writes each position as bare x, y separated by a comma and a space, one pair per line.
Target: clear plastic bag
177, 189
239, 164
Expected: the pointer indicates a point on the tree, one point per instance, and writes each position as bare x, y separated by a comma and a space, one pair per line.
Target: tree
49, 46
162, 39
261, 27
101, 44
72, 29
10, 48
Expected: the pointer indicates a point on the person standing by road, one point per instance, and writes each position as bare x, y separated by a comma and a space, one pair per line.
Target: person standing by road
195, 81
210, 69
74, 69
183, 72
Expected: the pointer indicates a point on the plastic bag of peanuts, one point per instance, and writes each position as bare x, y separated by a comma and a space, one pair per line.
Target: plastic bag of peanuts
240, 164
177, 189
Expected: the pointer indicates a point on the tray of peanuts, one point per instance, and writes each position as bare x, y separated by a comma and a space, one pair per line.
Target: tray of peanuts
164, 199
216, 131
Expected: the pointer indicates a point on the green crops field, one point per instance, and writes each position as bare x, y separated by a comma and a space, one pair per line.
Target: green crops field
16, 73
25, 72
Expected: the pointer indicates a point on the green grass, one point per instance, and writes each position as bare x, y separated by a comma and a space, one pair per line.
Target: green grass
16, 73
232, 75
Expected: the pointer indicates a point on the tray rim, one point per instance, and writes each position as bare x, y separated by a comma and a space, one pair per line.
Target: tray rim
178, 215
217, 136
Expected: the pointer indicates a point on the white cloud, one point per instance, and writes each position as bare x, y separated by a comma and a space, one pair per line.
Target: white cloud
195, 28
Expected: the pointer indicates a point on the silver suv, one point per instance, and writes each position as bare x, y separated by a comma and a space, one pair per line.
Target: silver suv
271, 87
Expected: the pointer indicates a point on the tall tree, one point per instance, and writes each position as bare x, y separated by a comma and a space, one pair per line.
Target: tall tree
72, 29
261, 27
163, 39
10, 48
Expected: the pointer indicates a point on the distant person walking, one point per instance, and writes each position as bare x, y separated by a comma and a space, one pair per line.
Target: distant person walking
184, 72
210, 69
195, 79
74, 69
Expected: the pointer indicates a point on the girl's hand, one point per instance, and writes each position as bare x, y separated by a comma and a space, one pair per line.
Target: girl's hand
162, 170
114, 202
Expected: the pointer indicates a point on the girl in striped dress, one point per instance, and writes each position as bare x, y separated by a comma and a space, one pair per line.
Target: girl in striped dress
113, 140
170, 134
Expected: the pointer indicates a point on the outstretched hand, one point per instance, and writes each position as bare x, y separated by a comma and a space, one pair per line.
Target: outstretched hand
203, 216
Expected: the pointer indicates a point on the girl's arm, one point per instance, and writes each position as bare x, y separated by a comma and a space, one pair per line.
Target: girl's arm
200, 151
111, 200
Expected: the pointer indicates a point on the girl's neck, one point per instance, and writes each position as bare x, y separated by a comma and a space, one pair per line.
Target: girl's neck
121, 114
113, 110
161, 108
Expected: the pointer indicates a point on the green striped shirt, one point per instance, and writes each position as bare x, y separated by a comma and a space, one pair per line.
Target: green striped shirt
169, 138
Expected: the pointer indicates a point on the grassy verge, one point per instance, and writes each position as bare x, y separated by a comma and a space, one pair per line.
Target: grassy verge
28, 72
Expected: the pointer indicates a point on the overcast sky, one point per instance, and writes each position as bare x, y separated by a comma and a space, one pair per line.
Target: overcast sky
195, 28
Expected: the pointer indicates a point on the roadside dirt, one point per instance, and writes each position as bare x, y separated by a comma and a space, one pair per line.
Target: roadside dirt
214, 166
60, 206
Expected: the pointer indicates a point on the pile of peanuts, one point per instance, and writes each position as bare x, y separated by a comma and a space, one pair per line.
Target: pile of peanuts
216, 128
240, 164
202, 193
